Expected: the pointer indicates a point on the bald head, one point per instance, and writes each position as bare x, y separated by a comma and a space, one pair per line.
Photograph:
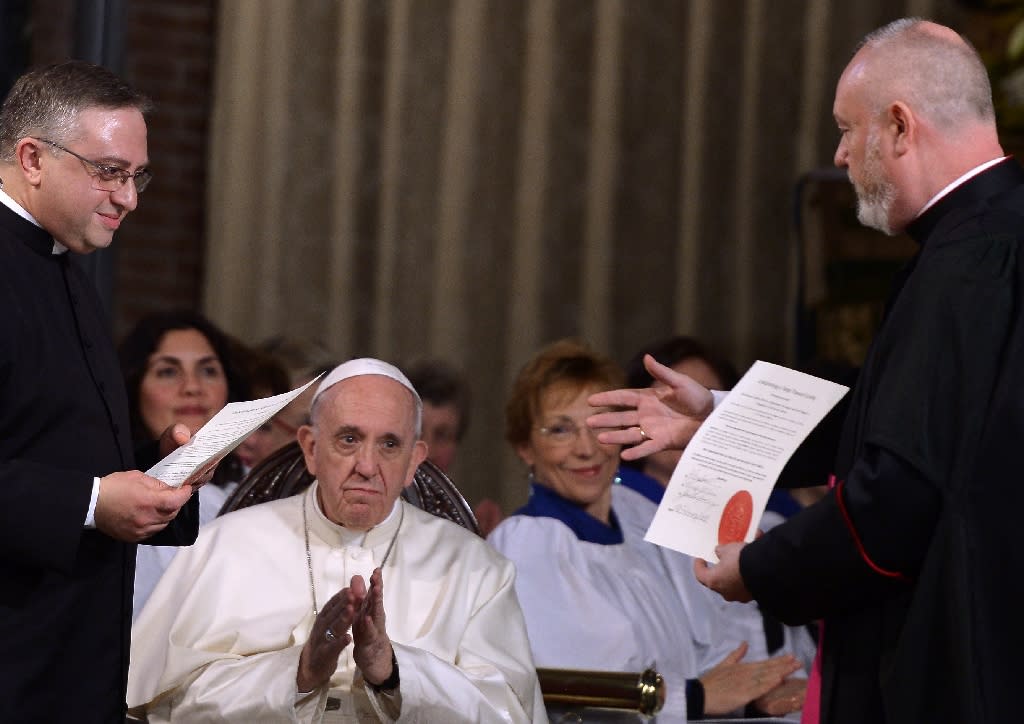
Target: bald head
931, 68
914, 111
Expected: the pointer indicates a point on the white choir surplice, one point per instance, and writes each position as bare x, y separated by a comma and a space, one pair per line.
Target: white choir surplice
711, 619
734, 623
220, 638
611, 607
739, 621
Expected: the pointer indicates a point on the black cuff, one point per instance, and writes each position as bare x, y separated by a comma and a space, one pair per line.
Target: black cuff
391, 683
694, 699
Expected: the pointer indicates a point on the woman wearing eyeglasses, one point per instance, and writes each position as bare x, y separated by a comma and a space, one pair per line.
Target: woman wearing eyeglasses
179, 367
595, 595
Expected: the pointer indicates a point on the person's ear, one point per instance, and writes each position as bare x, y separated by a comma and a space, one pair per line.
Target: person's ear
28, 154
903, 127
419, 454
307, 441
525, 452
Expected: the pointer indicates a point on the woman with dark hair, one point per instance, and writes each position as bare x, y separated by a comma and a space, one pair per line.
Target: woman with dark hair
179, 367
153, 370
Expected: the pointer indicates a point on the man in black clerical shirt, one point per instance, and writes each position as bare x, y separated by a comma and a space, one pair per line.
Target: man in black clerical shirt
73, 162
911, 560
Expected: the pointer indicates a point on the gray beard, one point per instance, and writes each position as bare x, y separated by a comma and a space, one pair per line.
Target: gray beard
875, 205
876, 199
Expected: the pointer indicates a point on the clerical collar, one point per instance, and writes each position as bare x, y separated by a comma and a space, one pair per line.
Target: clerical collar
987, 181
546, 503
967, 176
17, 208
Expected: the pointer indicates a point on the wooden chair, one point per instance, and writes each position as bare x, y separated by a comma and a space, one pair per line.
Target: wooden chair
284, 474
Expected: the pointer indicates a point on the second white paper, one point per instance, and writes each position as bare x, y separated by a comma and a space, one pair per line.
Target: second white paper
219, 436
720, 486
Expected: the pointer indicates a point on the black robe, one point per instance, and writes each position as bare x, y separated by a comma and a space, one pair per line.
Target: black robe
910, 560
66, 592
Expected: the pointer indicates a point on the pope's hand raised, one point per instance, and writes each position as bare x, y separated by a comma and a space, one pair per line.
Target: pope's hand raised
329, 636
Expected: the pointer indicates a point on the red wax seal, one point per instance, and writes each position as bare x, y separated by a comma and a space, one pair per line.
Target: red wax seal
736, 518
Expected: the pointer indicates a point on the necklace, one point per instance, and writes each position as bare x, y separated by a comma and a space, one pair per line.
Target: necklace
309, 555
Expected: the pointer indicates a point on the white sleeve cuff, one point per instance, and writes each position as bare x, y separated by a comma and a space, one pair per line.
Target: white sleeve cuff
90, 516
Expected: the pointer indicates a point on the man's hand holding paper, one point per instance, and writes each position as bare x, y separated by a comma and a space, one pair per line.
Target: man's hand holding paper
724, 577
132, 506
176, 436
732, 455
193, 463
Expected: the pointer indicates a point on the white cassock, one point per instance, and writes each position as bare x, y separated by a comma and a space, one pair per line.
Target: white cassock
612, 607
220, 638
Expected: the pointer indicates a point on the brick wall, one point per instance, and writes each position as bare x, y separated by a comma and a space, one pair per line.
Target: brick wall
168, 53
169, 47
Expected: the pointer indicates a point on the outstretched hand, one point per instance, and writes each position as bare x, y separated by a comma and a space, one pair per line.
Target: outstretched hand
655, 418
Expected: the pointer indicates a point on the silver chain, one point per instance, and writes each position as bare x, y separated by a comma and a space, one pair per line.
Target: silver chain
309, 555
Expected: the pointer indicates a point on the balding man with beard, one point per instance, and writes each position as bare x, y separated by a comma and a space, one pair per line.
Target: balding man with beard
911, 559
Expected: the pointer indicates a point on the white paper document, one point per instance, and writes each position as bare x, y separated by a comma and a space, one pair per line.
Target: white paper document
222, 434
721, 485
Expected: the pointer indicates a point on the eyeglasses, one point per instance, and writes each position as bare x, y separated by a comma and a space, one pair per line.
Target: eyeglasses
104, 176
563, 432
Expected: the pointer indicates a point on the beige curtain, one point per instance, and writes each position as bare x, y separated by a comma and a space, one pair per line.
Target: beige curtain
470, 179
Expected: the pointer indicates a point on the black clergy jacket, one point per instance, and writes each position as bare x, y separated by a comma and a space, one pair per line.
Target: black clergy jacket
912, 560
66, 592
